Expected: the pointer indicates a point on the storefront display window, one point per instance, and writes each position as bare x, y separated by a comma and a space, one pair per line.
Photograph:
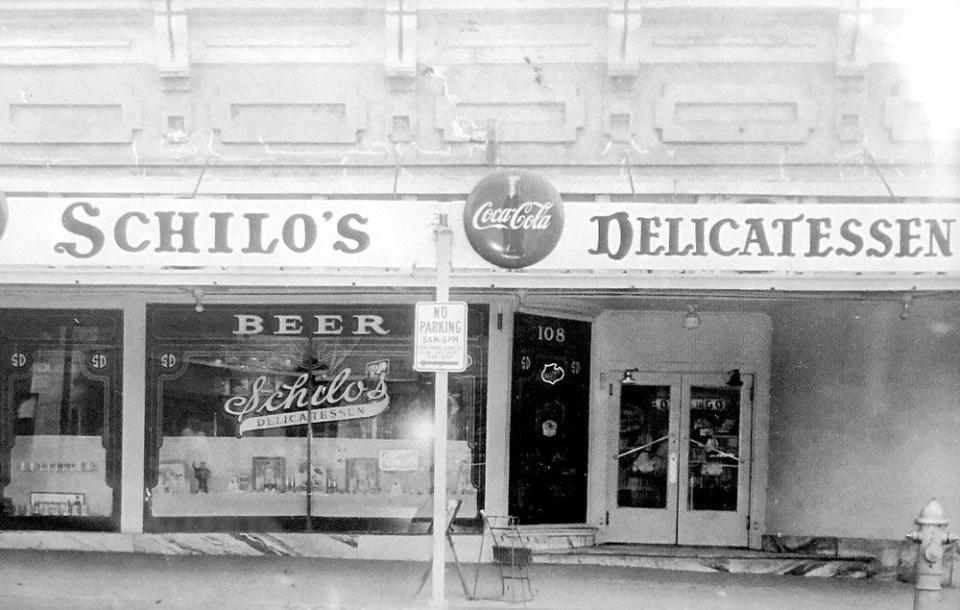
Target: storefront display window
60, 431
233, 387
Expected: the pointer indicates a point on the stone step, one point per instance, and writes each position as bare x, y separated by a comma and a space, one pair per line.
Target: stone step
552, 538
712, 559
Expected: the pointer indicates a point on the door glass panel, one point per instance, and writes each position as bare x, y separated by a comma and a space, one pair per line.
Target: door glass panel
644, 426
714, 448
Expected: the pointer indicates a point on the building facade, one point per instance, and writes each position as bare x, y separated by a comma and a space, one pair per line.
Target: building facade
709, 250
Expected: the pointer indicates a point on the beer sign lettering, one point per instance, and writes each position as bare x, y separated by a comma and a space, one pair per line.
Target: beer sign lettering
318, 324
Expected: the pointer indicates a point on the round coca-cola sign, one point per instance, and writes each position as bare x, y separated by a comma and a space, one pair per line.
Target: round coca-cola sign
513, 219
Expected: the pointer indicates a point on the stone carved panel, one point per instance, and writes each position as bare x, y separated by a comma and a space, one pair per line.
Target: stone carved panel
83, 40
524, 109
256, 118
907, 121
284, 38
470, 38
67, 115
729, 39
735, 114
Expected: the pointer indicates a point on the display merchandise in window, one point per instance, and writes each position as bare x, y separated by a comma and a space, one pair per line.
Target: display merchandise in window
235, 387
60, 429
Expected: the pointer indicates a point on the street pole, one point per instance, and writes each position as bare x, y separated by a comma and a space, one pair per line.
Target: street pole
440, 427
310, 455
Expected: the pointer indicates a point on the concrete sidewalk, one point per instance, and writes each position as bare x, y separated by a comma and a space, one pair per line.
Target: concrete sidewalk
58, 579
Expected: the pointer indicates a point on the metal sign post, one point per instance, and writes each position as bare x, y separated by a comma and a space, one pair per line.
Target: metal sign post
440, 347
440, 429
310, 458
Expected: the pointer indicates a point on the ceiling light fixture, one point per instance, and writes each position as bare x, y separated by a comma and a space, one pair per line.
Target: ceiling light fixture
906, 301
198, 298
735, 381
691, 320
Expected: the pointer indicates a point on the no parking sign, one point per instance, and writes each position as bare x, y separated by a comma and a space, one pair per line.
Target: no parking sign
441, 337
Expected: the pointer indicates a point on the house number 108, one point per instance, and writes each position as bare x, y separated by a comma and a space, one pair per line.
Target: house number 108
549, 333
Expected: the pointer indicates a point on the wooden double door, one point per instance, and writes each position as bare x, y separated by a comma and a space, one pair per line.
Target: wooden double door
681, 469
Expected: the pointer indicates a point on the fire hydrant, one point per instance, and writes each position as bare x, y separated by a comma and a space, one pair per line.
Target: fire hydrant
932, 537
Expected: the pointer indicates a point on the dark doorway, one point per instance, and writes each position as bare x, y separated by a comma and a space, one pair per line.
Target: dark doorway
549, 419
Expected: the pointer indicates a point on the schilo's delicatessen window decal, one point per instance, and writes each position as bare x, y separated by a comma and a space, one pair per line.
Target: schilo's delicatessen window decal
233, 390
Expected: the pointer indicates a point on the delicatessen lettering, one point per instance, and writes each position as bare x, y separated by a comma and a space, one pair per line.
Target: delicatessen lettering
619, 235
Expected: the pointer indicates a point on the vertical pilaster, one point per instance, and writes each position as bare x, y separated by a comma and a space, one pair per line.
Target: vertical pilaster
623, 44
173, 68
498, 407
623, 65
400, 68
134, 414
853, 33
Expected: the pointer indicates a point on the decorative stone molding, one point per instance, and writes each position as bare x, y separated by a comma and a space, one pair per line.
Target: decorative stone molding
623, 50
400, 40
173, 52
401, 118
44, 51
619, 122
750, 199
854, 29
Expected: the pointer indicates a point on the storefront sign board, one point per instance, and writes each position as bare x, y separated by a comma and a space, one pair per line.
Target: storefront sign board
177, 234
440, 343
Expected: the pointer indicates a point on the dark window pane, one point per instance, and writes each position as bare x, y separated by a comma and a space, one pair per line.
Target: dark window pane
60, 386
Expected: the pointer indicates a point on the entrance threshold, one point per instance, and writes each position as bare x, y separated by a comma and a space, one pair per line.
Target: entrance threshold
712, 559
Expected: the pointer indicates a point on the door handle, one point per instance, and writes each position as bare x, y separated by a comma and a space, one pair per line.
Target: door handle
717, 451
642, 447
